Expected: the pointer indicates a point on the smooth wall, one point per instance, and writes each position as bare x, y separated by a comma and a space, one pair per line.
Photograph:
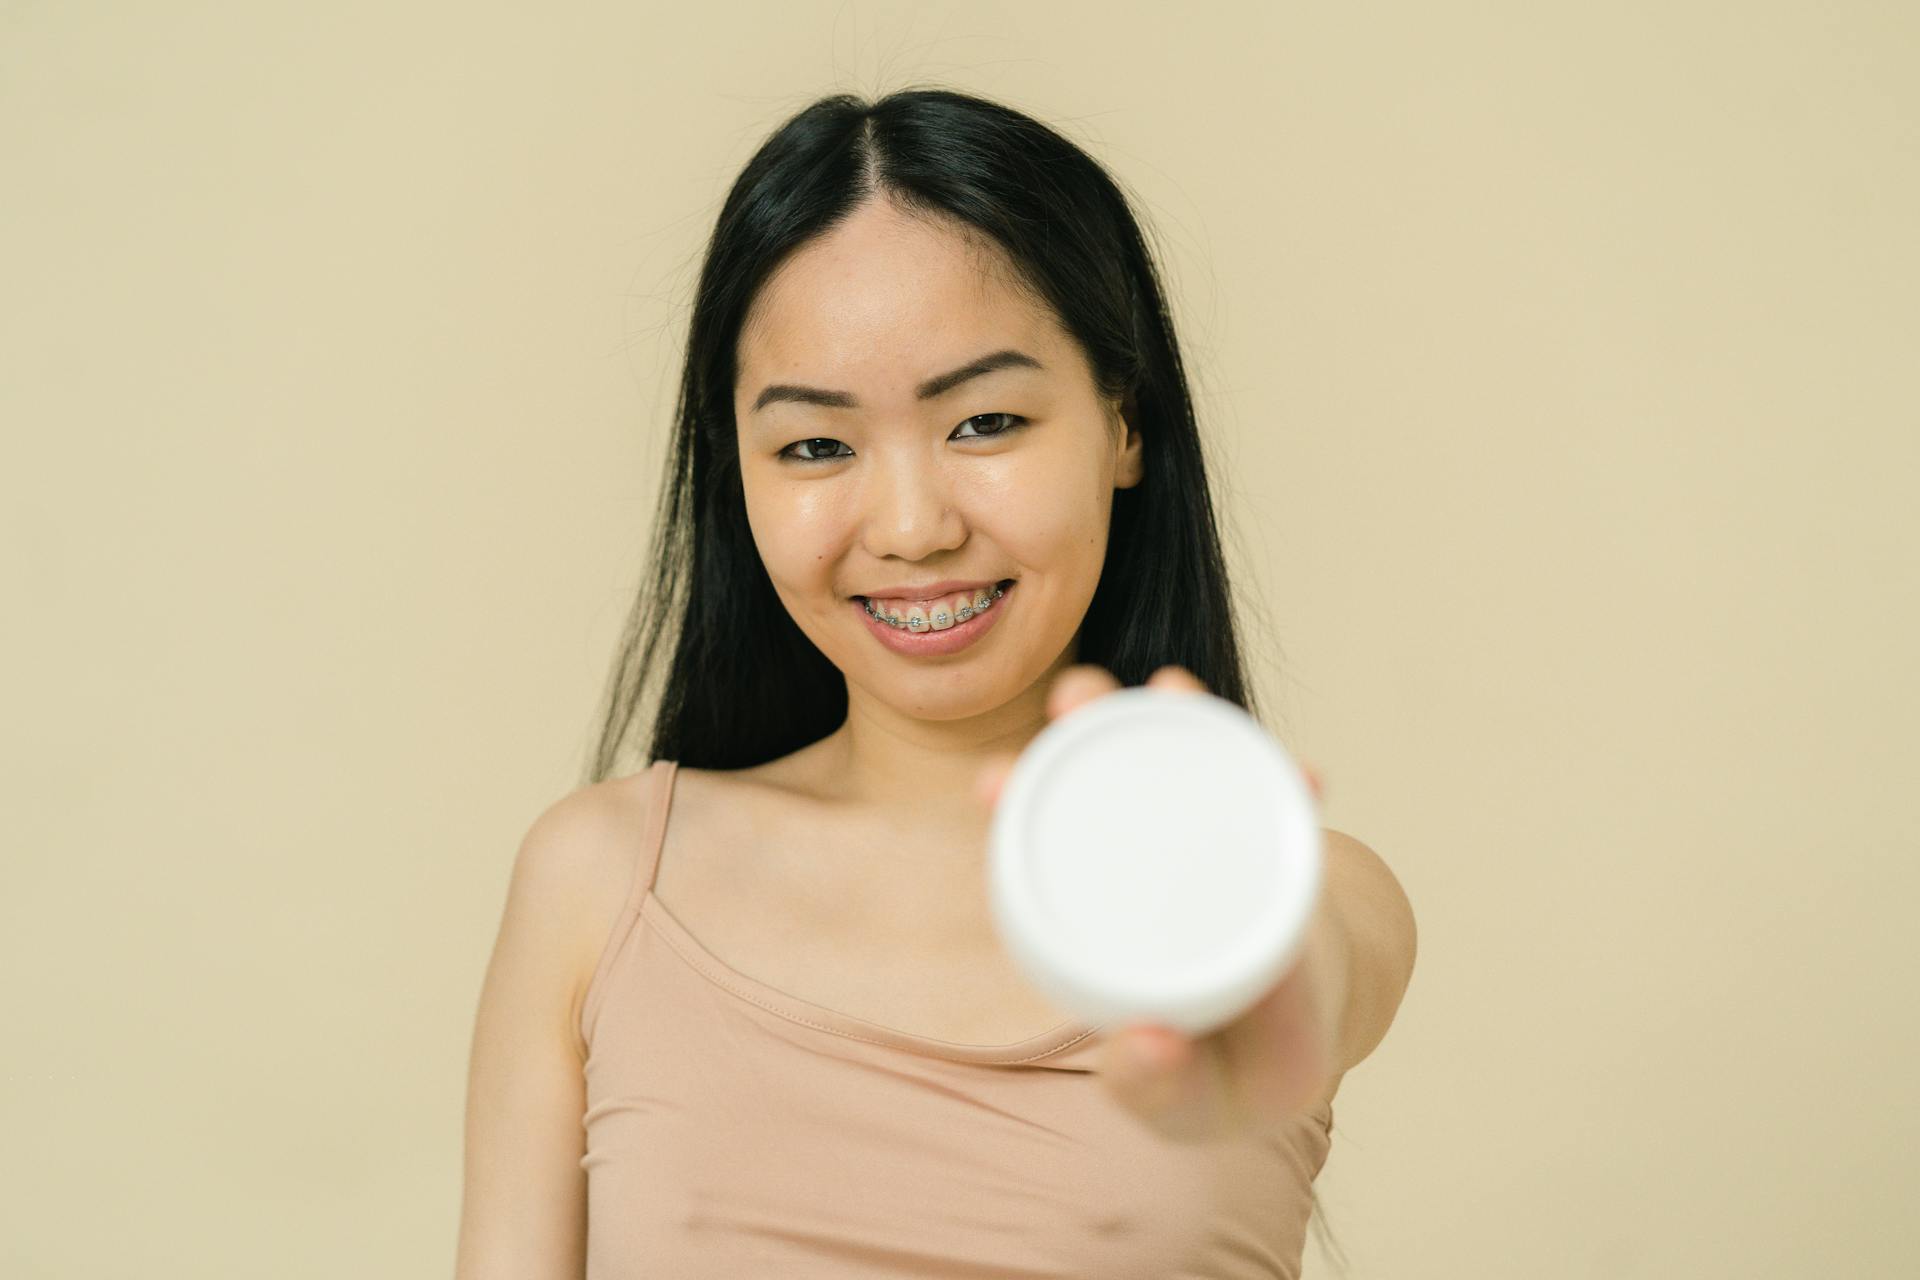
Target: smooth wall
1558, 364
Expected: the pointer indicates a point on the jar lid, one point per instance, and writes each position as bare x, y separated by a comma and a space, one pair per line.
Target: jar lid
1155, 855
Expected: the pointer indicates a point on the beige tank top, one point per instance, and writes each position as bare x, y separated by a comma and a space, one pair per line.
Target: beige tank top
734, 1130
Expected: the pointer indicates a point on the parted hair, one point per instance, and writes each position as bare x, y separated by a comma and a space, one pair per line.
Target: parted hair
731, 679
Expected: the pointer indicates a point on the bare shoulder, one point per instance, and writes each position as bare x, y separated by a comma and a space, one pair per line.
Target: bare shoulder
1377, 919
724, 814
586, 847
1350, 857
523, 1205
576, 863
582, 843
1373, 895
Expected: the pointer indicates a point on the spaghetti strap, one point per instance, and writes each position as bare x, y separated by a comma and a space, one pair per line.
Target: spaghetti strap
729, 1127
646, 865
647, 861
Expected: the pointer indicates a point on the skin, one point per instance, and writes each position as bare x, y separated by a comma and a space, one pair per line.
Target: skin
1260, 1070
873, 308
916, 491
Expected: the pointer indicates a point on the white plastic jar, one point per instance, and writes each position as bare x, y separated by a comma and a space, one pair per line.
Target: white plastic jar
1155, 856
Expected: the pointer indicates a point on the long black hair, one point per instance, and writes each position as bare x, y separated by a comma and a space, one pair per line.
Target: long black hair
743, 684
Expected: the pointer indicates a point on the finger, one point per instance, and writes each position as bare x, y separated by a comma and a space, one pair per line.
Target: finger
1141, 1064
1314, 782
992, 778
1176, 678
1077, 686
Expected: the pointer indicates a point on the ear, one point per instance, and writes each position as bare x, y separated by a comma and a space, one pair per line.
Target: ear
1129, 466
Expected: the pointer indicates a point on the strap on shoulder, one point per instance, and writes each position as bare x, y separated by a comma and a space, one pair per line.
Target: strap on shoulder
659, 787
660, 800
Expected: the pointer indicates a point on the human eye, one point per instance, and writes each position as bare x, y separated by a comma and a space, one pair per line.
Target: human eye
788, 453
1013, 423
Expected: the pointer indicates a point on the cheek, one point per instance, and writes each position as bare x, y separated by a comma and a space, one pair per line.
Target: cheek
796, 528
1050, 511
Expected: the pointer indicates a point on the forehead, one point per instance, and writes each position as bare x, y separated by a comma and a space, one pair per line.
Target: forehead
883, 300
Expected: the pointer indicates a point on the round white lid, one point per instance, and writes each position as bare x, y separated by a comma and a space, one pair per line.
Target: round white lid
1155, 855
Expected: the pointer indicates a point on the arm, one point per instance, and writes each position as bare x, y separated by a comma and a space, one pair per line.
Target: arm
1290, 1050
524, 1207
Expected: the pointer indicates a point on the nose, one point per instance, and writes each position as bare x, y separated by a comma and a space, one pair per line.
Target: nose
908, 511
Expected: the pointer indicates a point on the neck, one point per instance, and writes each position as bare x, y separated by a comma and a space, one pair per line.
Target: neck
924, 769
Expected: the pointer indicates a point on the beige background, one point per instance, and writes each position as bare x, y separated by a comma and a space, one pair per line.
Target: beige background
1558, 364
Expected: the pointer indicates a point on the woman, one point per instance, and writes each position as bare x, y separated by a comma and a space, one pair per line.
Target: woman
936, 480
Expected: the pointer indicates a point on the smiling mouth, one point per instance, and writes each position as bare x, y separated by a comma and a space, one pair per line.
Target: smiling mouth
1002, 585
936, 617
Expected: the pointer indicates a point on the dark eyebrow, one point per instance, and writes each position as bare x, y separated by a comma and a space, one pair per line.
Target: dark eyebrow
927, 390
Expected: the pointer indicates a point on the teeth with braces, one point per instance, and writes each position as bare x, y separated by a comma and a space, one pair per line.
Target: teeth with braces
982, 601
